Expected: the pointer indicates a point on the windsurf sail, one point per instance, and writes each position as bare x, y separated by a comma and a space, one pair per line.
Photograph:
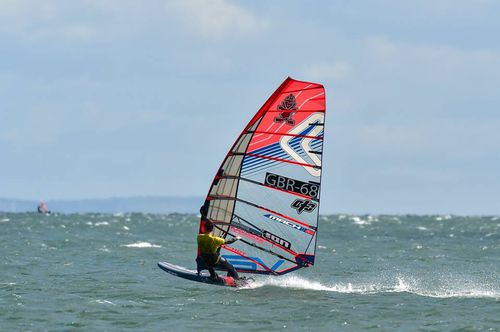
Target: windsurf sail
267, 189
42, 207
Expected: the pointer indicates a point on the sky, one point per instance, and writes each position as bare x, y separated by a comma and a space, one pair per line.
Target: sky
115, 98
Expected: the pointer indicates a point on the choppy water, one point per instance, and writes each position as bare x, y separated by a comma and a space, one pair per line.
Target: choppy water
96, 272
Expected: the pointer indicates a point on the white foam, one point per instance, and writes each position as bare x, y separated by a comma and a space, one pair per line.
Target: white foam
455, 289
445, 217
461, 294
101, 223
5, 220
43, 245
401, 285
141, 245
359, 221
105, 302
104, 249
296, 282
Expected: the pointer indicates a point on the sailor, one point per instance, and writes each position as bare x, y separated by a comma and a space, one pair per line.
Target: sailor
42, 208
209, 252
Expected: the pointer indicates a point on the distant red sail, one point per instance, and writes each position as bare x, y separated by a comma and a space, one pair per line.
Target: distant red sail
42, 207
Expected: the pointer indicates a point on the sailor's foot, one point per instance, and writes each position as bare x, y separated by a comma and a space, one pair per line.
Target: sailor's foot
247, 279
237, 277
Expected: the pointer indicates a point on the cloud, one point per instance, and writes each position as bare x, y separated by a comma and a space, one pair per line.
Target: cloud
403, 80
405, 100
44, 20
435, 60
453, 138
88, 20
216, 19
24, 15
326, 71
42, 9
454, 8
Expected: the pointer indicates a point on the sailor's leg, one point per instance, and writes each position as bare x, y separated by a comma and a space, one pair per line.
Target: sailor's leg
224, 264
199, 264
213, 275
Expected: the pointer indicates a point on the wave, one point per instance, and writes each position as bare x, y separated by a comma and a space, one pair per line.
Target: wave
141, 245
295, 282
7, 284
458, 289
104, 302
402, 285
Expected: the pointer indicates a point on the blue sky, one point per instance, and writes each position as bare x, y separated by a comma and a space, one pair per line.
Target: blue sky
119, 98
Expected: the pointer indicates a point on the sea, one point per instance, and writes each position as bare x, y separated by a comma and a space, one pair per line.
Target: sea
98, 272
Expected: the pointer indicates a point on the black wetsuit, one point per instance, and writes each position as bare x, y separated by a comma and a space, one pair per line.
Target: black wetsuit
214, 261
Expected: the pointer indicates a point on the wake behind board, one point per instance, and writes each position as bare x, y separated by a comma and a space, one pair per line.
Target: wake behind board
204, 276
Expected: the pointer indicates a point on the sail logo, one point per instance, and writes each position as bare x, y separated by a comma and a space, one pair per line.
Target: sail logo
287, 105
289, 223
276, 239
310, 188
306, 144
303, 205
250, 263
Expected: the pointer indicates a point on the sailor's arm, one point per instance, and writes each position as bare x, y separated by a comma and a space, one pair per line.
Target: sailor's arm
234, 239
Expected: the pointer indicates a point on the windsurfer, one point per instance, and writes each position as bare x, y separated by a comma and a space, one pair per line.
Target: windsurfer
209, 252
42, 208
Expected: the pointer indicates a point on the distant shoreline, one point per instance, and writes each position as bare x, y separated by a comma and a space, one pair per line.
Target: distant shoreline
163, 205
144, 204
